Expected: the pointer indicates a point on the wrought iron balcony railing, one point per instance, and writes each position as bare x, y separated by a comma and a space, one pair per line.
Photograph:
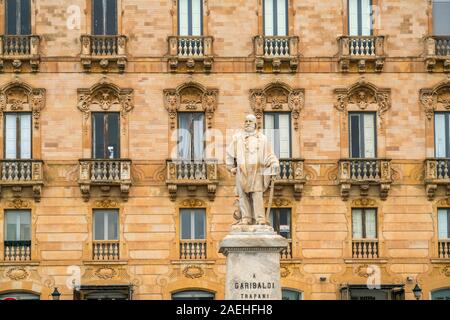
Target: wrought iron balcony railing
19, 173
365, 249
190, 51
20, 48
193, 250
103, 49
365, 172
437, 50
361, 49
274, 50
191, 173
105, 173
105, 250
17, 250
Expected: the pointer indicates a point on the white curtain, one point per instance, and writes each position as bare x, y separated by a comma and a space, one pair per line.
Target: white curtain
366, 18
10, 136
353, 17
281, 18
443, 224
184, 136
268, 17
198, 125
371, 223
357, 223
439, 135
369, 135
106, 225
284, 132
183, 17
196, 17
269, 127
25, 136
18, 225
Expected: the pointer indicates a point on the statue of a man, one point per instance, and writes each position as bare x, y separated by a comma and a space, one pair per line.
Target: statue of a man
251, 159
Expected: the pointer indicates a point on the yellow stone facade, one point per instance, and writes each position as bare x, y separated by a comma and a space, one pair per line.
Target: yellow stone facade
63, 89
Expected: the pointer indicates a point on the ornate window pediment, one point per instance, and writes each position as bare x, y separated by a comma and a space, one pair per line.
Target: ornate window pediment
436, 98
277, 96
364, 96
191, 97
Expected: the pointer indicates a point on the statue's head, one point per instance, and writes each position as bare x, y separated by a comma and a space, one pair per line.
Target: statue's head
250, 123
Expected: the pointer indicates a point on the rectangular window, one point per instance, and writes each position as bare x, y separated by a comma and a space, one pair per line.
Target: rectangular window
18, 17
106, 224
364, 223
441, 16
280, 220
277, 128
191, 135
105, 135
275, 17
443, 223
192, 224
442, 134
362, 134
360, 17
104, 17
190, 17
17, 135
17, 225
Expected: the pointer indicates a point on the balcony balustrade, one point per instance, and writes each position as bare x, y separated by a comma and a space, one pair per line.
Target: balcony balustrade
271, 52
18, 49
361, 50
104, 50
365, 249
17, 250
437, 53
291, 174
193, 249
187, 52
106, 250
18, 173
437, 173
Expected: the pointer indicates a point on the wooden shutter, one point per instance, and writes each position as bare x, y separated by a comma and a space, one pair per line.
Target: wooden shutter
98, 17
369, 135
10, 136
183, 20
98, 135
440, 138
268, 18
269, 127
284, 133
355, 136
11, 17
196, 17
366, 18
113, 135
352, 17
185, 224
198, 216
25, 136
443, 224
112, 224
441, 14
357, 223
111, 17
282, 17
371, 223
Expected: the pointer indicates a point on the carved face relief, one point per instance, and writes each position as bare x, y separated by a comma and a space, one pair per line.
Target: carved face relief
444, 98
105, 98
362, 98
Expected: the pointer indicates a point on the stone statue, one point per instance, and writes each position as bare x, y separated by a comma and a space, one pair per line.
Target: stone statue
251, 159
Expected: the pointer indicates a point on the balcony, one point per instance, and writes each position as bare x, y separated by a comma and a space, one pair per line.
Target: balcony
193, 250
361, 51
365, 249
18, 174
105, 250
190, 53
192, 174
437, 53
18, 49
286, 254
17, 250
291, 174
437, 173
444, 249
105, 173
104, 51
364, 173
272, 53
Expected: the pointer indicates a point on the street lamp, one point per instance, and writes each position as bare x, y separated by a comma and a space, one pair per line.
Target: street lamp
55, 294
417, 291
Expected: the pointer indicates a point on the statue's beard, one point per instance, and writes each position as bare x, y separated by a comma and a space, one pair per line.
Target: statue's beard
250, 129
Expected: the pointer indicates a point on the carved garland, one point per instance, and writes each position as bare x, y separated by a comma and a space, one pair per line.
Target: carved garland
437, 98
190, 97
277, 96
364, 95
19, 96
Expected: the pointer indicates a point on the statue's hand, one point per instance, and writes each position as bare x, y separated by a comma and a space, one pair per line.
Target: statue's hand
233, 171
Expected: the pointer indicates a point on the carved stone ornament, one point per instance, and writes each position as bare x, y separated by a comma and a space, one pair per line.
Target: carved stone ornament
364, 270
446, 271
193, 203
17, 273
436, 98
19, 96
18, 203
277, 96
106, 203
105, 273
193, 271
191, 97
280, 202
365, 96
284, 271
364, 202
105, 96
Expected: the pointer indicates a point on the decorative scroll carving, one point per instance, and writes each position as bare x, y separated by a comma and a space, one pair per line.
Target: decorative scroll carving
436, 98
193, 203
193, 271
365, 96
18, 203
17, 273
191, 96
106, 203
364, 202
277, 96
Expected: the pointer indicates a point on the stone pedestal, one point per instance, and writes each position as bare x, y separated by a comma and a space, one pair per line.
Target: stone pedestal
253, 263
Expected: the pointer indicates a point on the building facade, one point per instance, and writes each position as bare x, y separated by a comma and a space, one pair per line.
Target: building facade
114, 119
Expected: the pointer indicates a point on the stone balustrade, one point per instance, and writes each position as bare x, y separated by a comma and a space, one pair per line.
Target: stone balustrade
444, 249
104, 50
365, 249
437, 53
193, 249
362, 50
286, 254
17, 250
18, 173
187, 52
437, 172
271, 52
106, 250
19, 49
292, 174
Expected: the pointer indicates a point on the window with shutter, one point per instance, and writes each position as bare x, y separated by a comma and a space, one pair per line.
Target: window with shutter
106, 224
442, 134
277, 128
275, 17
18, 135
104, 17
441, 14
360, 17
191, 135
364, 223
280, 220
190, 17
443, 223
18, 225
18, 17
362, 134
192, 224
105, 135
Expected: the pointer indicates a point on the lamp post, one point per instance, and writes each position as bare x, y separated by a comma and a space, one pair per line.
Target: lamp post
417, 291
56, 294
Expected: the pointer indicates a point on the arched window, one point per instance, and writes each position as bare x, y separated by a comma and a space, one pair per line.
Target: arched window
19, 296
289, 294
441, 294
193, 295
